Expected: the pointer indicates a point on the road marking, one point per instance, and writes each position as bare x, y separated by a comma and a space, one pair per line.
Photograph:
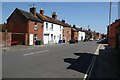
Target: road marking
35, 52
92, 63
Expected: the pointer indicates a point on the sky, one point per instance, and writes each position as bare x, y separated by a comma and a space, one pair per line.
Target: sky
82, 14
119, 10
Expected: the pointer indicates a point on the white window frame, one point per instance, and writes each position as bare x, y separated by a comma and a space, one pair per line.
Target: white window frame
36, 26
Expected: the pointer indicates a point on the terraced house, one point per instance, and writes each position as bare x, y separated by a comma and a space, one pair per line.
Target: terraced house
52, 31
27, 27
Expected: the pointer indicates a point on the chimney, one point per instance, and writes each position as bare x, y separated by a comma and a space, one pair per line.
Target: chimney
54, 15
41, 11
81, 28
63, 21
33, 10
74, 26
116, 20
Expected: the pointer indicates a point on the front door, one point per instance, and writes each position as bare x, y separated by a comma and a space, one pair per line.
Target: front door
46, 38
31, 39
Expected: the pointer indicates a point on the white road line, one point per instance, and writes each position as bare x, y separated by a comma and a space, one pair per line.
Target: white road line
92, 62
35, 53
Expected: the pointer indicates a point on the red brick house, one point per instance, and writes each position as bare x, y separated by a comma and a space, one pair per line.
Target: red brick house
66, 32
74, 33
118, 36
26, 28
112, 33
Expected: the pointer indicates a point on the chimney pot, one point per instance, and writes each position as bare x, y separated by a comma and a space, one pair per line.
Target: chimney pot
41, 11
33, 11
54, 15
63, 21
74, 26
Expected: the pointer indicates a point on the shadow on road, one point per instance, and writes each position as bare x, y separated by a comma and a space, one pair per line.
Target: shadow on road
80, 64
107, 64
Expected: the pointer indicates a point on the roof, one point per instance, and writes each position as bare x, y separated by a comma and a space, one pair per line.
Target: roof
28, 15
40, 18
52, 20
74, 29
116, 22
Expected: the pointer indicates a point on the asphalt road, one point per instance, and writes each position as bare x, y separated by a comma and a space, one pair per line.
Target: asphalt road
49, 61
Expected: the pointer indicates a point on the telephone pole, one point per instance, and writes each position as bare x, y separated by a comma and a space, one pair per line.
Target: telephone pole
110, 13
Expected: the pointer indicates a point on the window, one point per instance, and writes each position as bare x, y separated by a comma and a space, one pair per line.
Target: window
54, 37
63, 30
35, 26
60, 28
46, 26
35, 37
51, 27
51, 36
60, 37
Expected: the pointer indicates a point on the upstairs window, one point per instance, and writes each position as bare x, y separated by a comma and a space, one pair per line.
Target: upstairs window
60, 28
51, 27
36, 26
46, 26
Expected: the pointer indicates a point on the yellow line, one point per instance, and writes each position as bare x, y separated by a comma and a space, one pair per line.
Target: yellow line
92, 62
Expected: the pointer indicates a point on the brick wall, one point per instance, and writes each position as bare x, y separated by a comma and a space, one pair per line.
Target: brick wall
67, 33
112, 33
5, 39
39, 32
17, 23
76, 35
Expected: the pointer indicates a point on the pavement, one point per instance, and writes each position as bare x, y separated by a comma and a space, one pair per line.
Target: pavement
106, 64
24, 47
48, 61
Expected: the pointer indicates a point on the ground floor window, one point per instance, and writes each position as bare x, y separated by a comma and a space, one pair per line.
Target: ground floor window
35, 37
60, 37
51, 36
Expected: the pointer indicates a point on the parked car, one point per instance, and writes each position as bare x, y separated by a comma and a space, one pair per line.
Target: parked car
85, 40
91, 39
72, 41
103, 41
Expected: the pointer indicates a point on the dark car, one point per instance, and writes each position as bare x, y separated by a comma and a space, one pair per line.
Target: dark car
72, 41
103, 41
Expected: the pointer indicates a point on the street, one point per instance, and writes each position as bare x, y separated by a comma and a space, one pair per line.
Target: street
49, 61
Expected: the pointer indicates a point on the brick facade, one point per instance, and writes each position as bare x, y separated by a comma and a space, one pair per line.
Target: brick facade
66, 33
39, 32
18, 24
112, 36
5, 39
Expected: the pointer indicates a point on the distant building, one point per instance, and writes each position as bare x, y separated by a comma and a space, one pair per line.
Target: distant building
81, 36
74, 32
66, 32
